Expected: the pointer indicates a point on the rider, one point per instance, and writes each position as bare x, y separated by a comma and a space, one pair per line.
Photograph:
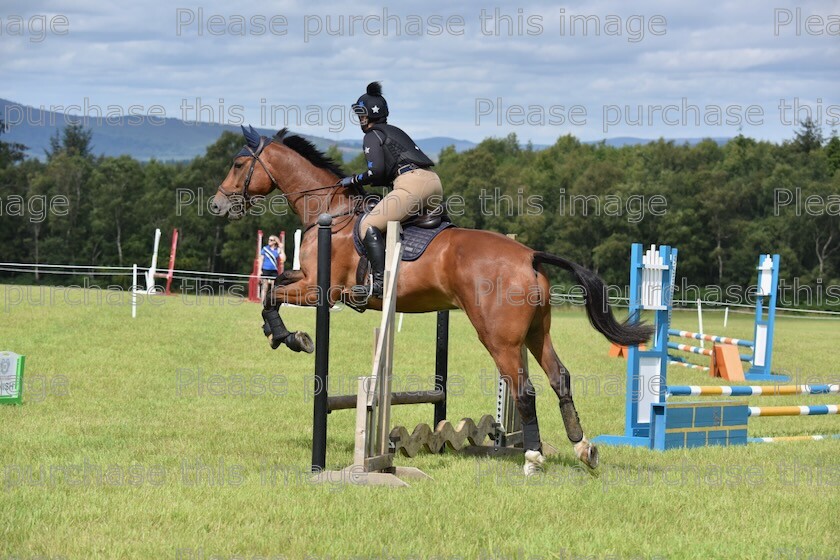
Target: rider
394, 160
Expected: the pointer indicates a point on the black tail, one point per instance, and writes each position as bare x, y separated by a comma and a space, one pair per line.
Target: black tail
598, 308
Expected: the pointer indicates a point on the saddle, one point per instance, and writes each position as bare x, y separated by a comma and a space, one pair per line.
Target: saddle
428, 220
418, 233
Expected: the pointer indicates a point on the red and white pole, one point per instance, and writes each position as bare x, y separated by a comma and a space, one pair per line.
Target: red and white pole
172, 251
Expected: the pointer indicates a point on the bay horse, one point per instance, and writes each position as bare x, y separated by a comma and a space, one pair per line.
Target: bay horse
499, 283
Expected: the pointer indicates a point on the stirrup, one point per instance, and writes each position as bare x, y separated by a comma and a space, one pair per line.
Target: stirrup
362, 291
356, 297
367, 291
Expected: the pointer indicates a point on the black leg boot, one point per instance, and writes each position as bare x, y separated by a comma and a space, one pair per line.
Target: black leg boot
273, 326
279, 334
375, 249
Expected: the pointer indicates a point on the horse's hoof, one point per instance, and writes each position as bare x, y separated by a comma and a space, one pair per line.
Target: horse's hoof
275, 343
587, 453
534, 461
300, 342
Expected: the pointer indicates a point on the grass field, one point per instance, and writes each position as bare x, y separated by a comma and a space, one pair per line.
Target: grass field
180, 434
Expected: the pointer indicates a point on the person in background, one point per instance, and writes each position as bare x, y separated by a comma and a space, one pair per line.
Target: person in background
271, 260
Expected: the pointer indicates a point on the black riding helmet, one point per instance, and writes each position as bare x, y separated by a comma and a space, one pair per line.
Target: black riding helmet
371, 104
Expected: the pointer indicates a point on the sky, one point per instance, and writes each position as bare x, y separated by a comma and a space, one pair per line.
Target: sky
541, 70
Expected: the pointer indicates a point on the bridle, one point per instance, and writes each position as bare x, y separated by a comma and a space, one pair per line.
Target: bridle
255, 158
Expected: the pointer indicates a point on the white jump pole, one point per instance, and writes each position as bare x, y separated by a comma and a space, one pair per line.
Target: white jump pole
700, 321
725, 317
134, 291
296, 261
281, 260
150, 275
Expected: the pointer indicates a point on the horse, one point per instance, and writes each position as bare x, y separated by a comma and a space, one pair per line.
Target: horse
499, 283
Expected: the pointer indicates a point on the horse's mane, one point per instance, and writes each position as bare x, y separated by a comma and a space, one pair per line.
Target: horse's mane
308, 150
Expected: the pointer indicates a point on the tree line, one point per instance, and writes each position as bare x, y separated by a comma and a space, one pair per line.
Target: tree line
721, 205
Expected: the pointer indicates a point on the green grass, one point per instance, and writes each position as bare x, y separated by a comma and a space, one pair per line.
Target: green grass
103, 393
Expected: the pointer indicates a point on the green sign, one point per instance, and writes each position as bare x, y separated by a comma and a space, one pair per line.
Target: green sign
11, 378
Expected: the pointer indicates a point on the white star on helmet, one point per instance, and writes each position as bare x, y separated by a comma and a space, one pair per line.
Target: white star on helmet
375, 109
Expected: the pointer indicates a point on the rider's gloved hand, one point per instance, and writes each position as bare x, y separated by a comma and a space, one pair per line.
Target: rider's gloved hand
348, 181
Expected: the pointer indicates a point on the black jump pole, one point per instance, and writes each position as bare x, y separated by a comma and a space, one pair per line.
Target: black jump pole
441, 363
322, 345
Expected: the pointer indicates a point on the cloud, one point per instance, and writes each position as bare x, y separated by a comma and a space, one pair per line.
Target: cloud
722, 54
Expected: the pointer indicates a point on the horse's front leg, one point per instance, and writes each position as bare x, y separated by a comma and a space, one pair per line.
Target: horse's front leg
289, 277
291, 287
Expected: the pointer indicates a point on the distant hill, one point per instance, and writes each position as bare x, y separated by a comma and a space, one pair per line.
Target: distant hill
162, 139
142, 138
169, 139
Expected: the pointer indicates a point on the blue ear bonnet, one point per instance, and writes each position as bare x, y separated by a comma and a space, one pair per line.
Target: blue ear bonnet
253, 139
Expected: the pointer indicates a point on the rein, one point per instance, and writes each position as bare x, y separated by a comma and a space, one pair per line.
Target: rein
350, 213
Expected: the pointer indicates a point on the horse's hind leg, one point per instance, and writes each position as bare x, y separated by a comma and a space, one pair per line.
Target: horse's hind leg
508, 360
539, 343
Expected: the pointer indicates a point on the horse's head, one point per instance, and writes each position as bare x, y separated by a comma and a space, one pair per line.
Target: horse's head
308, 177
249, 178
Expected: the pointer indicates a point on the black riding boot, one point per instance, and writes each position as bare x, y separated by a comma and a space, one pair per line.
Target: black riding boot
375, 249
